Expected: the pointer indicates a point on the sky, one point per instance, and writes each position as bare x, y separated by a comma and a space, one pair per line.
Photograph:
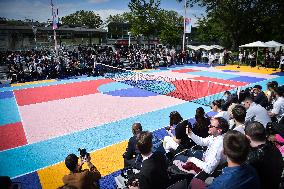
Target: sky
40, 10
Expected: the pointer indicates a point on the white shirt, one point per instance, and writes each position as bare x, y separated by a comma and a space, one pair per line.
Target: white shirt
278, 108
257, 113
240, 128
212, 156
223, 114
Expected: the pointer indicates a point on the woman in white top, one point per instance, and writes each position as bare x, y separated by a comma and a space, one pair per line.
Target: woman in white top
217, 107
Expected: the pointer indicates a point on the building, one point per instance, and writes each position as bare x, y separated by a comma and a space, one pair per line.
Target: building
25, 37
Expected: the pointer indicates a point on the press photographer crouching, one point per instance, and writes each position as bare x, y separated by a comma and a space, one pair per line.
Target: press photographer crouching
78, 178
153, 173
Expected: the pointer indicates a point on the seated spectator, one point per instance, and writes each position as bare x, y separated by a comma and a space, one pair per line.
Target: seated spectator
255, 112
271, 86
81, 179
276, 135
153, 173
237, 175
259, 97
239, 115
278, 106
264, 156
5, 182
131, 151
200, 127
180, 139
217, 107
213, 156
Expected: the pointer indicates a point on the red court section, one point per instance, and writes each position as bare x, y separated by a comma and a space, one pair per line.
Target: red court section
223, 81
190, 90
184, 70
56, 92
11, 136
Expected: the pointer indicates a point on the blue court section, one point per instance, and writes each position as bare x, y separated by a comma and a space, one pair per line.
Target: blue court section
132, 92
28, 181
247, 79
113, 86
6, 94
35, 156
5, 85
213, 74
9, 111
49, 83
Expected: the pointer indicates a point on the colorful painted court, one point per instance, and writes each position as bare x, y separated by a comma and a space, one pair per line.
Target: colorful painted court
42, 122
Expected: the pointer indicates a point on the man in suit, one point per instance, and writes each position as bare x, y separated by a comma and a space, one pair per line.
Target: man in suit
153, 172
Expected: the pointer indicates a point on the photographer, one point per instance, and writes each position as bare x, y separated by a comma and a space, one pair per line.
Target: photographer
81, 179
153, 173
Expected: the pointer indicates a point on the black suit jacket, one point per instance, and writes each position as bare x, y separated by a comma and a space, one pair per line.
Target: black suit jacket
153, 174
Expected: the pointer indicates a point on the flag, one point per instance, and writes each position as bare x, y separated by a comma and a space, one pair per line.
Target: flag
187, 28
55, 19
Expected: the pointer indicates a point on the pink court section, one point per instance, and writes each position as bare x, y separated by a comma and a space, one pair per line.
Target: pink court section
222, 81
185, 70
11, 136
65, 116
56, 92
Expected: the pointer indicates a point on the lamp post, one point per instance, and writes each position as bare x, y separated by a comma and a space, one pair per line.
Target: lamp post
129, 34
34, 31
186, 41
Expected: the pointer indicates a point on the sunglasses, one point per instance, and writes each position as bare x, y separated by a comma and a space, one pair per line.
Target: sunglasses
211, 126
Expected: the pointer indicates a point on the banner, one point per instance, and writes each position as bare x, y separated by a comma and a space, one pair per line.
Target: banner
187, 28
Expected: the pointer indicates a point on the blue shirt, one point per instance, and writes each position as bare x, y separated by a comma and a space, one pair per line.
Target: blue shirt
239, 177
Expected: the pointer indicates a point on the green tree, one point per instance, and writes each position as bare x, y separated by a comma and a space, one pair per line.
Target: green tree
171, 27
242, 21
119, 18
143, 17
83, 18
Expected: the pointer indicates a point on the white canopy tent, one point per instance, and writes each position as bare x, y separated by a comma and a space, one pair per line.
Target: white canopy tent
274, 44
256, 44
206, 47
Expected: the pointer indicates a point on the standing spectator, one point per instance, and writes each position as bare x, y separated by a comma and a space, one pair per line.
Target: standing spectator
237, 175
264, 156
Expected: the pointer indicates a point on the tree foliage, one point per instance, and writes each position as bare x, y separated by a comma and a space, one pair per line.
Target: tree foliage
83, 18
119, 18
241, 21
143, 18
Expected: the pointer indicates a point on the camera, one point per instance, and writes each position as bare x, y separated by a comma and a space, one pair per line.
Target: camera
130, 175
83, 153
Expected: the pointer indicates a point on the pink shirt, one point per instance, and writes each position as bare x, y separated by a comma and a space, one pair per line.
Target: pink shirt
280, 140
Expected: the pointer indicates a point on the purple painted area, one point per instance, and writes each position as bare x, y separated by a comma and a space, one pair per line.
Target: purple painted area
230, 71
131, 92
6, 94
278, 73
5, 85
108, 181
247, 79
28, 181
160, 133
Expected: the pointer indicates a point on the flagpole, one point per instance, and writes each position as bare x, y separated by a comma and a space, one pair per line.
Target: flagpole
54, 32
183, 37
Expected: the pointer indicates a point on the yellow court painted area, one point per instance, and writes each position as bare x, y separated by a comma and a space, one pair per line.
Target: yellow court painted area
144, 70
33, 82
107, 160
260, 70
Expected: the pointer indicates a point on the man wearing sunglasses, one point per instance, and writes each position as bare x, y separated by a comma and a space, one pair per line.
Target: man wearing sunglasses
214, 142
